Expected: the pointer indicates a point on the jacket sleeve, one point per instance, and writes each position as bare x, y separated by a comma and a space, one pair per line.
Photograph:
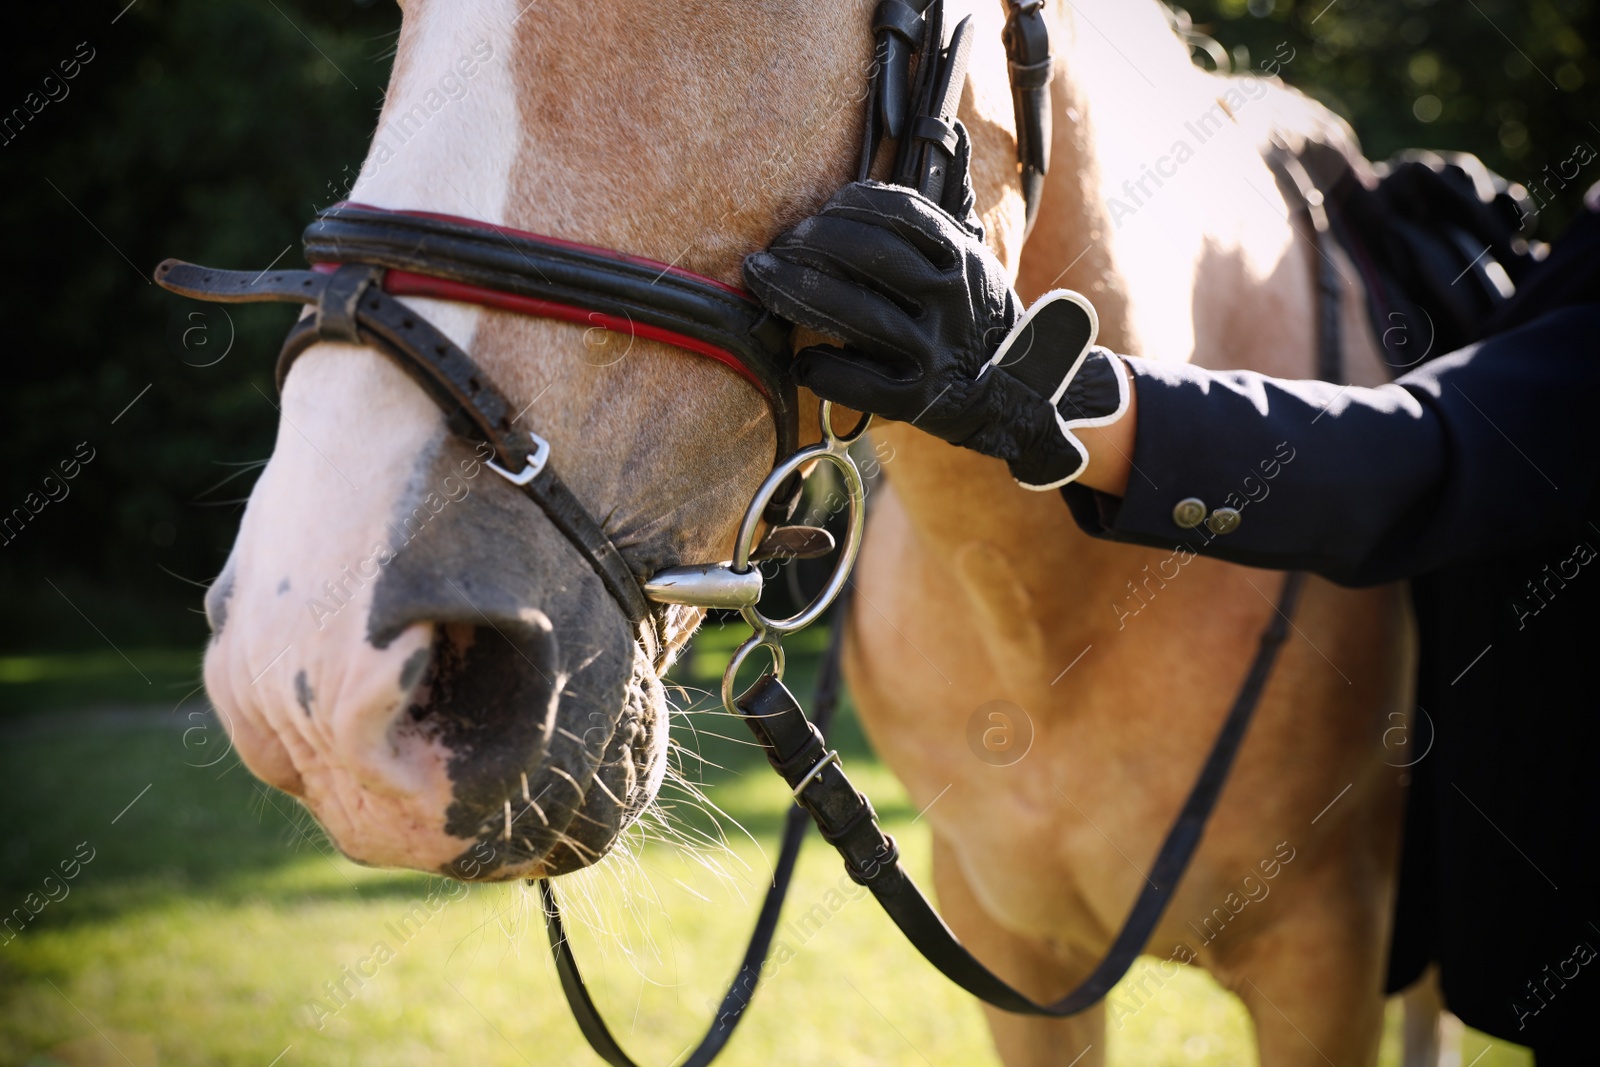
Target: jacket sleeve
1487, 450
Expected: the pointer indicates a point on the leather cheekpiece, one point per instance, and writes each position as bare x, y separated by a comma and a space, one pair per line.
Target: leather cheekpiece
900, 19
928, 128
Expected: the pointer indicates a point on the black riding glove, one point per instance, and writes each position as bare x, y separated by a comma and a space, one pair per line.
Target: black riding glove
935, 336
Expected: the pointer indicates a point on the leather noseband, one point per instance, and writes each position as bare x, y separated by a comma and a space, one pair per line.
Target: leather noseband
364, 258
351, 307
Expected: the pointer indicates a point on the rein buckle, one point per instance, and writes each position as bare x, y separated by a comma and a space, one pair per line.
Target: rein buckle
811, 775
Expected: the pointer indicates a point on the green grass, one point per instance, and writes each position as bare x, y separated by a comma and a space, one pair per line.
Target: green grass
213, 912
77, 680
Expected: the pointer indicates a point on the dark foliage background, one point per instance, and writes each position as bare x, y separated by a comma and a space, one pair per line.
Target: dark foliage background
210, 129
1513, 81
206, 129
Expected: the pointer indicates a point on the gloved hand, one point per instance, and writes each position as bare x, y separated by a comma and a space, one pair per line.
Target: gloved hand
934, 335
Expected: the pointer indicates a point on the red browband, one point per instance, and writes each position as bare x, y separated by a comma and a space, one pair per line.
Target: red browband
562, 242
410, 283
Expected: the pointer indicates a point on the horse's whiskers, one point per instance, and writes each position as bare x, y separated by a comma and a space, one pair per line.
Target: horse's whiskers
576, 788
534, 807
600, 783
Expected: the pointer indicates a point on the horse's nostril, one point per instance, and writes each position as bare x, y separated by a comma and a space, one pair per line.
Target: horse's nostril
488, 692
494, 668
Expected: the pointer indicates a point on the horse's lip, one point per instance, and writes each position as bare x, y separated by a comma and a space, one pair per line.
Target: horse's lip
501, 874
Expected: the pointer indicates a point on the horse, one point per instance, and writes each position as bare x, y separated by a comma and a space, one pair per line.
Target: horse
405, 645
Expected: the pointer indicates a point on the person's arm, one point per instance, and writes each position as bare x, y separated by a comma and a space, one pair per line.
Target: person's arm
1111, 447
1482, 451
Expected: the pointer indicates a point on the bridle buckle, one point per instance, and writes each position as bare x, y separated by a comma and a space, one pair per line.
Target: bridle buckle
536, 461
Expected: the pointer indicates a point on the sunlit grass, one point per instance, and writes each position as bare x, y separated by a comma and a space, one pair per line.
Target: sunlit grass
215, 926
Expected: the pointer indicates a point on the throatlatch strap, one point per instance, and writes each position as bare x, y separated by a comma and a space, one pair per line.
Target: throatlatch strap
795, 749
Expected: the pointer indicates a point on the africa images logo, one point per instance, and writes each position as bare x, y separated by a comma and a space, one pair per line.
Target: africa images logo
999, 733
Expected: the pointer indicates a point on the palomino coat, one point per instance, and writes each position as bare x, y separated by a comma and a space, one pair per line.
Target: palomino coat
1475, 476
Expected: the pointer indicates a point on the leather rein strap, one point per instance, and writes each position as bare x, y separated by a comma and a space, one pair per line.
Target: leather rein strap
796, 749
742, 989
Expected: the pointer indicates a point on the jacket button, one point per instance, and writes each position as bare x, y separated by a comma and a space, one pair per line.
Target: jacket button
1223, 521
1189, 512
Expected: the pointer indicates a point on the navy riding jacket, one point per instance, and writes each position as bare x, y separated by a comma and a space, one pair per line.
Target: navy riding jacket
1474, 454
1474, 475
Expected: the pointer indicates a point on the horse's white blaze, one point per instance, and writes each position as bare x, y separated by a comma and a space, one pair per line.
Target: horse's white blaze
450, 131
312, 707
352, 428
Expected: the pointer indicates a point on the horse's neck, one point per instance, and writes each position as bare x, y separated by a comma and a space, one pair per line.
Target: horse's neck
1159, 207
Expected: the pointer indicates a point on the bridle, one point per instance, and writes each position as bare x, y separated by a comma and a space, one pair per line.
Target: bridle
365, 258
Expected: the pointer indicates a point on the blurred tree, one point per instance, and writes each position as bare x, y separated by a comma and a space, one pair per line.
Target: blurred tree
207, 129
1510, 80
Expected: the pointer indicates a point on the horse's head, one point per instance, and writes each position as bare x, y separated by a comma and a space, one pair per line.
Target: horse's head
402, 639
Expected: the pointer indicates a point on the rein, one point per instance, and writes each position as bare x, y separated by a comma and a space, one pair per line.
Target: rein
365, 258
